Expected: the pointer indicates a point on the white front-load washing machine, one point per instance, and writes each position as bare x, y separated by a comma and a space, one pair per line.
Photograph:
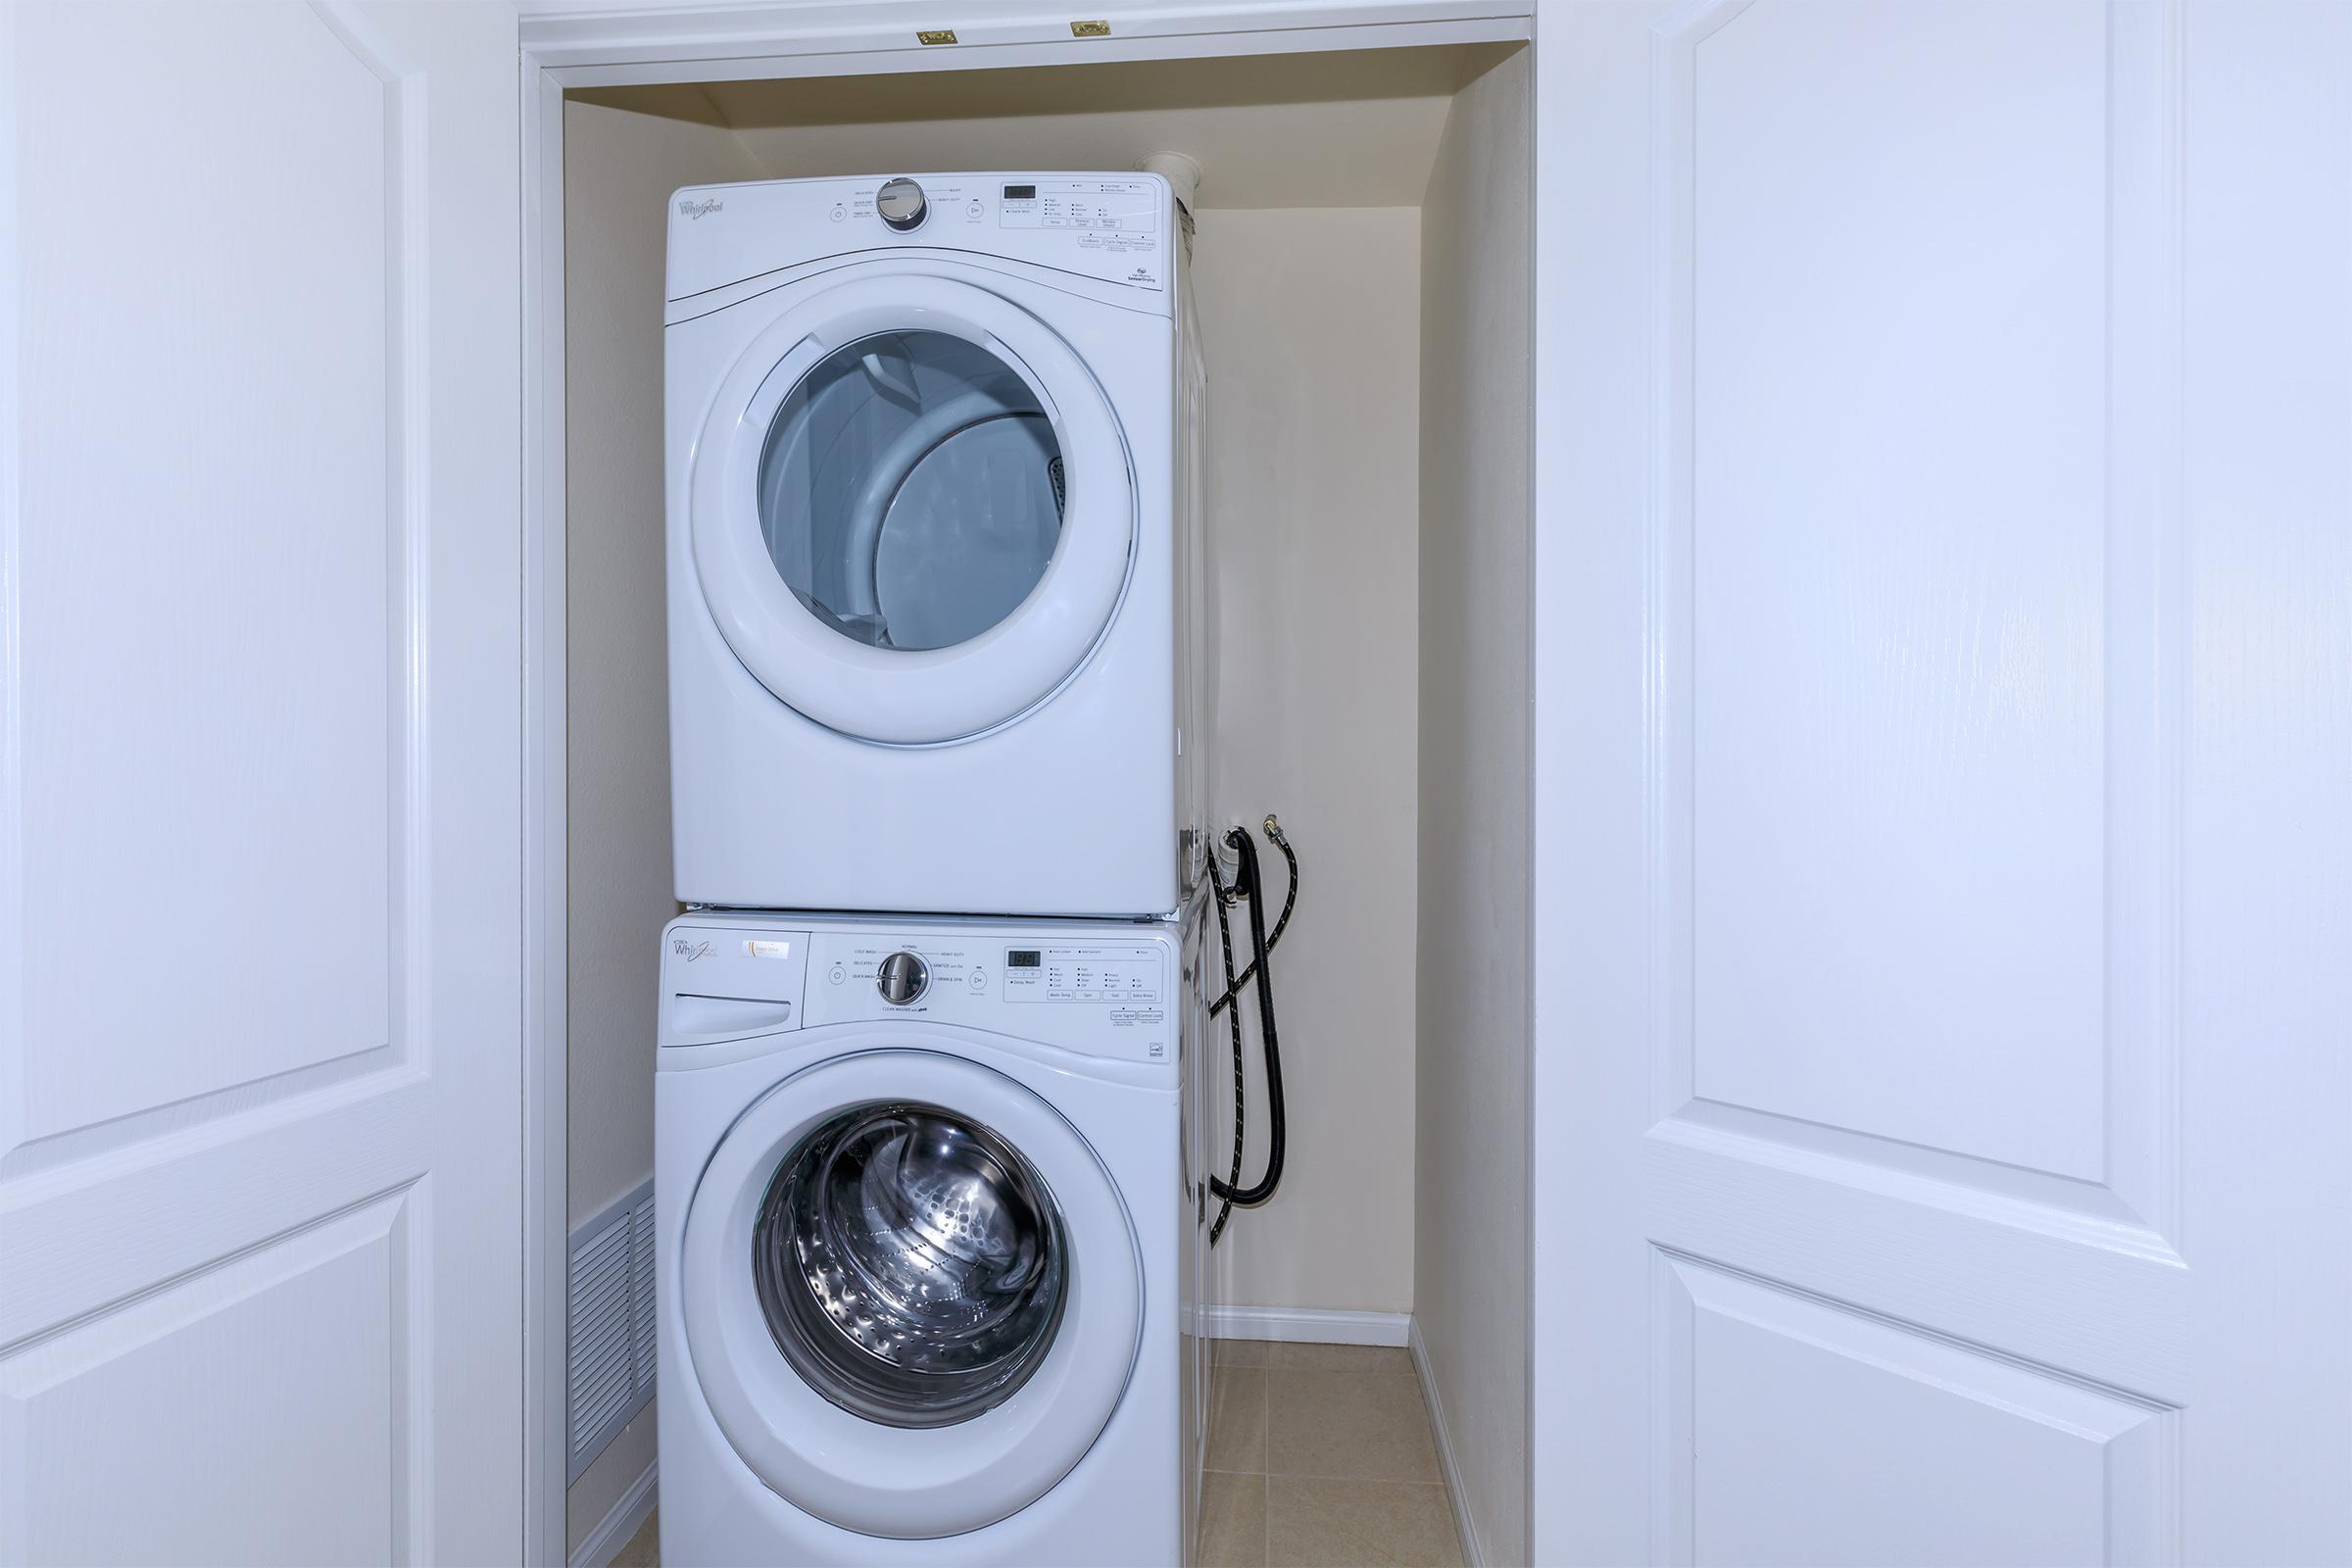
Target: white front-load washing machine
928, 1235
933, 460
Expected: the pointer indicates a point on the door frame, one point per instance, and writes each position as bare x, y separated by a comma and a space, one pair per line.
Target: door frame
591, 43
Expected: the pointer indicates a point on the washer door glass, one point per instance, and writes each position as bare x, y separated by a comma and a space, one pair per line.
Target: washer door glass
910, 1263
911, 490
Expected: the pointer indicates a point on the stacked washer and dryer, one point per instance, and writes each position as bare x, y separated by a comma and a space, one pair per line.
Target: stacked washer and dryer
925, 1170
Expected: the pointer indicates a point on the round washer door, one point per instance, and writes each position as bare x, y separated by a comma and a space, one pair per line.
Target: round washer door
912, 514
911, 1292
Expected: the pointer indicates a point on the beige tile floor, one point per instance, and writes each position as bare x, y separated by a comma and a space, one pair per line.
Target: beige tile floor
644, 1550
1320, 1456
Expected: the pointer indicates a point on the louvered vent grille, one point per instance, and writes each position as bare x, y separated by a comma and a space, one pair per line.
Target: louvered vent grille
641, 1291
610, 1319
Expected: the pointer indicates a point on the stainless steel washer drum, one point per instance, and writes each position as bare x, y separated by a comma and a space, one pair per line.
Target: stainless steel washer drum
910, 1263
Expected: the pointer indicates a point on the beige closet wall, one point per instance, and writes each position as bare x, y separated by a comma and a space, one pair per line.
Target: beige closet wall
620, 169
1470, 1266
1311, 324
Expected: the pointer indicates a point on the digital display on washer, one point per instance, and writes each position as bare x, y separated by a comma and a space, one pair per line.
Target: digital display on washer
1023, 958
1020, 193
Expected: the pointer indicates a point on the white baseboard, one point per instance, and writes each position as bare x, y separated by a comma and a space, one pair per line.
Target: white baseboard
1474, 1550
621, 1523
1308, 1324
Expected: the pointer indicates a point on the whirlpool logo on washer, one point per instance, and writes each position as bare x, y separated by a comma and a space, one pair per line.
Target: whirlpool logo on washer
702, 209
688, 949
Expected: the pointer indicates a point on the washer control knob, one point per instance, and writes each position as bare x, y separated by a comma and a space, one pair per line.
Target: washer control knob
903, 979
903, 205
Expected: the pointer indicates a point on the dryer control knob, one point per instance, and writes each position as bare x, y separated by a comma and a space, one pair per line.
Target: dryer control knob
903, 979
902, 204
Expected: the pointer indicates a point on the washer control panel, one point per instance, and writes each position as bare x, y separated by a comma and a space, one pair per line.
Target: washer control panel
1112, 993
1080, 974
1108, 996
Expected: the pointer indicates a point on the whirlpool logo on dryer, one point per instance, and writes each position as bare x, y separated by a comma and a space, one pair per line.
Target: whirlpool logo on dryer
699, 209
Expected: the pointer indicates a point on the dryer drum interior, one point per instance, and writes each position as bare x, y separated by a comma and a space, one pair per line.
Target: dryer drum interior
911, 490
911, 1264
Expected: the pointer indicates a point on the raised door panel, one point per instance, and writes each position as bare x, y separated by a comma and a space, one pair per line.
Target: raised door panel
1897, 511
1814, 1435
214, 585
182, 1426
1915, 621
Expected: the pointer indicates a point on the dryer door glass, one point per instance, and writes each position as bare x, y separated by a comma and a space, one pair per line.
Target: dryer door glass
911, 490
910, 1264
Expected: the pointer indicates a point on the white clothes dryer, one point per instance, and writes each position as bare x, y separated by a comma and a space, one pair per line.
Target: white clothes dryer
928, 1234
933, 456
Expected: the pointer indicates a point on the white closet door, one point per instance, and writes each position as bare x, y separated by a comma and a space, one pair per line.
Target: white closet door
1944, 783
260, 839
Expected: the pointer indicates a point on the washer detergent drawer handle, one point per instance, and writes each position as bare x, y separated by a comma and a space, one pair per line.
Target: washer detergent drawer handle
691, 1014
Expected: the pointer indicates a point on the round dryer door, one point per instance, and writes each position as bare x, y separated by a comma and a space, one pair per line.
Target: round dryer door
912, 1294
912, 511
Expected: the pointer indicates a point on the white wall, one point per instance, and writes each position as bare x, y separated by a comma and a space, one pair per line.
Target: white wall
1470, 1261
1311, 321
618, 170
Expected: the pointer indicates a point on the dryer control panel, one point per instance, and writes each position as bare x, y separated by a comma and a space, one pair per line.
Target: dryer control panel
1113, 227
1099, 994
